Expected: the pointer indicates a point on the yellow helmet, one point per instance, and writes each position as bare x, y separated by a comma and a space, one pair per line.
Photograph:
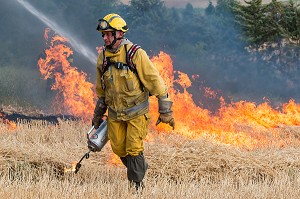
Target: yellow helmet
112, 22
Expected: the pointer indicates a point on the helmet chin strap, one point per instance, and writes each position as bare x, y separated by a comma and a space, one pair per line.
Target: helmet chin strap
110, 46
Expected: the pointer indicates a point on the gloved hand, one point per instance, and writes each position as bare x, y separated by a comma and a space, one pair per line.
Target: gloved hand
166, 113
97, 121
99, 112
166, 118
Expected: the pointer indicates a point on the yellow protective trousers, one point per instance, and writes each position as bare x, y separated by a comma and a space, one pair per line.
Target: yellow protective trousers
126, 137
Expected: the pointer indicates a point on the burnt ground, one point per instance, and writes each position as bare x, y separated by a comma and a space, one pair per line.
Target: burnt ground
51, 119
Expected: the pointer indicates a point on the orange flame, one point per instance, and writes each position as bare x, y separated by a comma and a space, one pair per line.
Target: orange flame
76, 96
114, 160
11, 125
242, 124
71, 169
194, 122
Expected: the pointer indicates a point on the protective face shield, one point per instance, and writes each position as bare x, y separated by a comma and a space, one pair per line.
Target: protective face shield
104, 26
112, 22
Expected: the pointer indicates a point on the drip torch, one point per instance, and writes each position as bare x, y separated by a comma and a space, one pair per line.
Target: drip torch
95, 142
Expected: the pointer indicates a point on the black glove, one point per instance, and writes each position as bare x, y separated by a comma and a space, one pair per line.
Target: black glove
97, 121
99, 112
166, 113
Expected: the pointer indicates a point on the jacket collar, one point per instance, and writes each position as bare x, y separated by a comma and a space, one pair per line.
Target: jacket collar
123, 42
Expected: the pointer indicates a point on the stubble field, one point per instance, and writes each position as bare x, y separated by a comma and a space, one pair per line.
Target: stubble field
35, 156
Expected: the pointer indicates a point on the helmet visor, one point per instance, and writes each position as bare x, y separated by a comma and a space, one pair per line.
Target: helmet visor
103, 25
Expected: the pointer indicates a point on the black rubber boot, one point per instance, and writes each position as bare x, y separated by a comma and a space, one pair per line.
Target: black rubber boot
136, 167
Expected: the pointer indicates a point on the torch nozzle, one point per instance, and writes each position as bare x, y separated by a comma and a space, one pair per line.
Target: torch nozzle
78, 165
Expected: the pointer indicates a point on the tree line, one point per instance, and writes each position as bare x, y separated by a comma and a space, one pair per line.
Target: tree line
240, 48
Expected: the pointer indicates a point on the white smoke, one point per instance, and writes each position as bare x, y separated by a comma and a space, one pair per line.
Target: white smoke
77, 45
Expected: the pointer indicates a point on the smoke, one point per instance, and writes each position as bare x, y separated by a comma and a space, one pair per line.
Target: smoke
183, 38
78, 46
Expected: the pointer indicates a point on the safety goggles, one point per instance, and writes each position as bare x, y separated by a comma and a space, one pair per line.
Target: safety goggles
103, 25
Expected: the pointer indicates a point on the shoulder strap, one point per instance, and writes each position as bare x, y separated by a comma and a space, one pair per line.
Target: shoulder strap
105, 63
129, 55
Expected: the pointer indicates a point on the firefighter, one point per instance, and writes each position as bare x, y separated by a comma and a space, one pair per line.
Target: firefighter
125, 79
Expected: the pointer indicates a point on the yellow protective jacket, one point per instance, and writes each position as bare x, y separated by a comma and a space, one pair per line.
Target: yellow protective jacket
126, 93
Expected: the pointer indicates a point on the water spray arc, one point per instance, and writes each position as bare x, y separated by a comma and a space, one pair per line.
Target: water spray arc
78, 46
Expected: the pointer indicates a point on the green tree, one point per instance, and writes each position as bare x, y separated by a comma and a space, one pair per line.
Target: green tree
292, 21
210, 9
148, 19
290, 27
251, 18
189, 10
224, 26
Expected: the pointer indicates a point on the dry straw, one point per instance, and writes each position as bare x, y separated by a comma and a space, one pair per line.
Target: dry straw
33, 158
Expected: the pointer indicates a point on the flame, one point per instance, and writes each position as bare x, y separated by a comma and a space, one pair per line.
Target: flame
240, 124
237, 124
11, 125
71, 169
75, 93
114, 160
